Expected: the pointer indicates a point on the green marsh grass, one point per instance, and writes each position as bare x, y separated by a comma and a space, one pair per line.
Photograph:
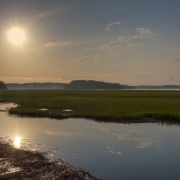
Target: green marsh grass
100, 105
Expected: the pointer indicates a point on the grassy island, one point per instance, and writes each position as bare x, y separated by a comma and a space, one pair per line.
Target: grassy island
119, 106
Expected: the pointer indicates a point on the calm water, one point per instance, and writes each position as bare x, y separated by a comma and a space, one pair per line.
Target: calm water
108, 150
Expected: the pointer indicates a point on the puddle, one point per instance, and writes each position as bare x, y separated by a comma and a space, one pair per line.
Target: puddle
46, 109
43, 109
67, 115
67, 110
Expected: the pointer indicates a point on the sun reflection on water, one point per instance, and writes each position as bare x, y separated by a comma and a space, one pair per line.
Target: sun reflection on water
17, 142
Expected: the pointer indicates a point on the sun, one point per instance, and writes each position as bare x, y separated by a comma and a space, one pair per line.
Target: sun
16, 36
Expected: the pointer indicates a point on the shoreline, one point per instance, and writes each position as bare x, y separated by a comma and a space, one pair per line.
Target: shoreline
22, 164
102, 120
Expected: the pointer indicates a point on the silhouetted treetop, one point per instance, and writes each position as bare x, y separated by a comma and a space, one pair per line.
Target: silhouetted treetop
2, 85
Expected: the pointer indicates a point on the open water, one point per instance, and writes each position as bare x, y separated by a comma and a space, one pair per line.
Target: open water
111, 151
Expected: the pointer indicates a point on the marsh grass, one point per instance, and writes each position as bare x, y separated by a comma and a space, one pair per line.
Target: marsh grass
99, 105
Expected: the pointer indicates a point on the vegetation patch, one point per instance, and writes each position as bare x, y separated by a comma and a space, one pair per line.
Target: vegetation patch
119, 106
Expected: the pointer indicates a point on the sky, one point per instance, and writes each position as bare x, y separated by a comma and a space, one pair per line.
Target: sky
133, 42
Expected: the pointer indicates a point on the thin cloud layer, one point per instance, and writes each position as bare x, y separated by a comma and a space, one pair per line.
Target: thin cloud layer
49, 13
177, 60
112, 24
112, 152
144, 32
62, 44
119, 45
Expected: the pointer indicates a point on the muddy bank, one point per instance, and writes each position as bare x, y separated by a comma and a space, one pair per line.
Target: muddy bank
21, 164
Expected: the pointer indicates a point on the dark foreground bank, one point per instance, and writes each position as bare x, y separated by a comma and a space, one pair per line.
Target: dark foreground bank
22, 164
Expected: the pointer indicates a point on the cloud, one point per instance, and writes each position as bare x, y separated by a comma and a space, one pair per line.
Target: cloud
144, 77
112, 24
129, 41
171, 79
107, 28
62, 44
122, 44
177, 60
141, 33
144, 32
144, 145
11, 79
133, 44
85, 60
124, 39
48, 13
90, 57
112, 152
79, 77
90, 49
50, 133
116, 153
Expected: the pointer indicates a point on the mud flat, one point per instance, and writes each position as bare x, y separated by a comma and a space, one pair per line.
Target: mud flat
21, 164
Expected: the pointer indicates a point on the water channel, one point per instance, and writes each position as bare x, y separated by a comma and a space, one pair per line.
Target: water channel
110, 151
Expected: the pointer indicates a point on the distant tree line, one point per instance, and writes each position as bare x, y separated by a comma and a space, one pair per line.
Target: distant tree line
91, 84
35, 86
159, 87
78, 84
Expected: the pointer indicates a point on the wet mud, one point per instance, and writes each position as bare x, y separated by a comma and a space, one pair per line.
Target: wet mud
22, 164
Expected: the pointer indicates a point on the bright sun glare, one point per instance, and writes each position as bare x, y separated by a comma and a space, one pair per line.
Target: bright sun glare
16, 36
17, 142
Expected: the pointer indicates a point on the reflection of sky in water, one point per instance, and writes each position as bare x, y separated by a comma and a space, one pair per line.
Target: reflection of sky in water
107, 150
6, 106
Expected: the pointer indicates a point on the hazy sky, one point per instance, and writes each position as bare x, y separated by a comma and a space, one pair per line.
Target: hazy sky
134, 42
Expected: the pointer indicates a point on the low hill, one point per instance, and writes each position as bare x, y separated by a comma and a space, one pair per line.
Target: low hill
2, 86
91, 84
